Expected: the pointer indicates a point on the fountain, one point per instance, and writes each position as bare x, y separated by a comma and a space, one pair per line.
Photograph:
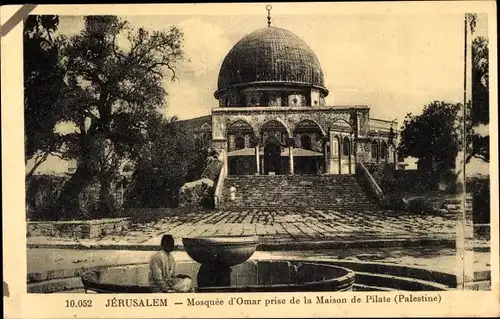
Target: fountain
221, 264
224, 264
221, 251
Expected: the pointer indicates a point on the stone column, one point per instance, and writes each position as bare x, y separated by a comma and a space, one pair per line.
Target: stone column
257, 159
226, 160
354, 153
351, 152
290, 149
394, 157
231, 145
333, 150
341, 151
325, 150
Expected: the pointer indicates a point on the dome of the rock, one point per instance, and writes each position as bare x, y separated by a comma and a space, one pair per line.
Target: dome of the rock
270, 56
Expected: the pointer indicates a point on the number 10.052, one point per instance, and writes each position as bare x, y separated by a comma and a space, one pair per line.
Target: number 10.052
78, 303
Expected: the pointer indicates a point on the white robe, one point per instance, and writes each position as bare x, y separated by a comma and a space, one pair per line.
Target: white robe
163, 274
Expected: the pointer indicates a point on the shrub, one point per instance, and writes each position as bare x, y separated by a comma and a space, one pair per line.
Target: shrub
481, 198
41, 192
422, 205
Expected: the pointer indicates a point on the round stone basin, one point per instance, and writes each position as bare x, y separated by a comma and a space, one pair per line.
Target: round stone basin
250, 276
225, 251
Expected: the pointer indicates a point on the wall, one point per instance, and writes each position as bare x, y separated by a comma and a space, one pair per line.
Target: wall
78, 229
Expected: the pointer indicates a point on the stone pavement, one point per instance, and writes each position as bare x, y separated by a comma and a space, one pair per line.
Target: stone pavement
275, 226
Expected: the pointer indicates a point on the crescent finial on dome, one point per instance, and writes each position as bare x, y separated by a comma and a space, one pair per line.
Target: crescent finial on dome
268, 8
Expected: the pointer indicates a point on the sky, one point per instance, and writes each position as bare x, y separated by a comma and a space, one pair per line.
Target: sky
393, 63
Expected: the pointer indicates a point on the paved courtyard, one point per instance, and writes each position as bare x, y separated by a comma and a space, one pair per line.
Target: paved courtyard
281, 226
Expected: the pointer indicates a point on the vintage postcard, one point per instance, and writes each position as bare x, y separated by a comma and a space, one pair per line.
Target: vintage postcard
250, 160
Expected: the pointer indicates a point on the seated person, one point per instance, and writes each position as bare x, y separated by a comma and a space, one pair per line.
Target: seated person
162, 270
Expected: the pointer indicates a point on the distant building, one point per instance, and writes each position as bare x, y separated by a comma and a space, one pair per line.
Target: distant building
272, 117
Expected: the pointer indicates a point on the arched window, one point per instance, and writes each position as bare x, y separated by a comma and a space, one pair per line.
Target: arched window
335, 146
305, 142
205, 139
239, 142
346, 147
374, 150
383, 150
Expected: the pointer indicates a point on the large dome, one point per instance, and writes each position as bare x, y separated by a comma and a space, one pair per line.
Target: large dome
270, 55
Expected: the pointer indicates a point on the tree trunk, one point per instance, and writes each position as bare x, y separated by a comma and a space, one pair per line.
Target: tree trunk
67, 204
106, 207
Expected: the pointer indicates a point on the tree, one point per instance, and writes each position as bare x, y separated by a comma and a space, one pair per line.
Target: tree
43, 79
433, 136
111, 93
171, 158
479, 112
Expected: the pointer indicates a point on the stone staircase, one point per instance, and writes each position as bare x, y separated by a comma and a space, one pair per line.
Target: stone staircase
337, 192
454, 205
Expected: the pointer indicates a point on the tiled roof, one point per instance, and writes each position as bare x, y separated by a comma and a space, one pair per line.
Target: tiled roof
270, 55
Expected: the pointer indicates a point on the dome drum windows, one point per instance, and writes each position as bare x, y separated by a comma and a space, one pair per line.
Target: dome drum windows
254, 99
296, 100
272, 96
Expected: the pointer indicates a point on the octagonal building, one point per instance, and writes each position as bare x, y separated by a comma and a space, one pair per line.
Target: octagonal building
272, 118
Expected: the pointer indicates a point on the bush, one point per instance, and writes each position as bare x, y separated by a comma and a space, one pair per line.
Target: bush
41, 193
199, 193
481, 198
449, 183
419, 205
154, 189
414, 205
43, 190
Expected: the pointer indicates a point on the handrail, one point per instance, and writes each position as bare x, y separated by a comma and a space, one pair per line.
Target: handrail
371, 182
220, 184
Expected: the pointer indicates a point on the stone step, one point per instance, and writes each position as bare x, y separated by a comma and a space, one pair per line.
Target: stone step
478, 285
340, 192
